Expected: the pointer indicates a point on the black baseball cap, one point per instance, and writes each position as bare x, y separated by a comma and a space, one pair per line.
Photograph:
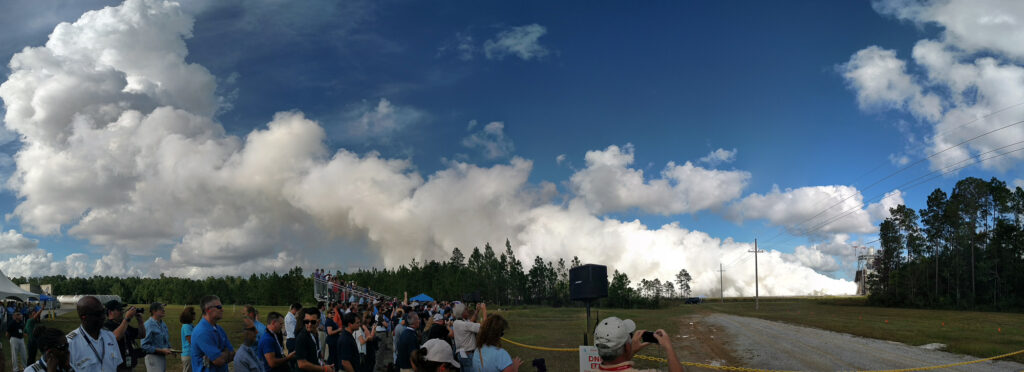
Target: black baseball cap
115, 305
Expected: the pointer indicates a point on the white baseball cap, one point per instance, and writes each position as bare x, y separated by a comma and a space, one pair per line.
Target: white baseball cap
613, 332
440, 351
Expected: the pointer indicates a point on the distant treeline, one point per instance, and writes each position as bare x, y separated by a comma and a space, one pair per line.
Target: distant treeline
964, 251
495, 278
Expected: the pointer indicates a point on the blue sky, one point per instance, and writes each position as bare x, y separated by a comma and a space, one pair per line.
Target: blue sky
776, 87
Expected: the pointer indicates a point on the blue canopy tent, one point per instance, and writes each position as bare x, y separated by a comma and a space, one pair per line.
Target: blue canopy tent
422, 297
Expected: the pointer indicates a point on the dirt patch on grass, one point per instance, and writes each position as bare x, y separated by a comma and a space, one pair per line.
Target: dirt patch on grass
698, 341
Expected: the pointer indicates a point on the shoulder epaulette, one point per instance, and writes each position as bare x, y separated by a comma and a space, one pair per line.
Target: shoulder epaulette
72, 334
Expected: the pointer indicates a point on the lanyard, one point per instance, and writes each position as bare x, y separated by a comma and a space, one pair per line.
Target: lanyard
317, 344
103, 347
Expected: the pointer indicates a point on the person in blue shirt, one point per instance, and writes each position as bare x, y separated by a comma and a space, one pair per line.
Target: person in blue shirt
187, 317
157, 343
489, 354
211, 350
253, 314
269, 349
407, 341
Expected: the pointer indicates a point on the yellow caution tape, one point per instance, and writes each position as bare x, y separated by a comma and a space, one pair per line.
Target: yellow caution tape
744, 369
572, 349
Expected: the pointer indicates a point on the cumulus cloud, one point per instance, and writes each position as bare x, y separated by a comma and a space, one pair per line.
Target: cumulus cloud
798, 210
121, 149
608, 184
720, 156
368, 121
520, 41
971, 70
12, 242
881, 80
490, 140
39, 262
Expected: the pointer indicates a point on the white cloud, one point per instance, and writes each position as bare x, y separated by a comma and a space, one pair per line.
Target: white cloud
881, 81
521, 41
1018, 183
490, 140
39, 262
899, 160
972, 70
608, 184
798, 210
560, 159
12, 242
120, 148
367, 121
720, 156
812, 258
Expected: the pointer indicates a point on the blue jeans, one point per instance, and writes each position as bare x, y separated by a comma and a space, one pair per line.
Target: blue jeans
466, 364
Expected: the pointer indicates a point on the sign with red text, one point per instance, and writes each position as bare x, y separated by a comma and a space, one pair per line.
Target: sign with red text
589, 360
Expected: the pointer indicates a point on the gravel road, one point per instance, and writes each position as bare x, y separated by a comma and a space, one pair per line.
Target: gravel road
766, 344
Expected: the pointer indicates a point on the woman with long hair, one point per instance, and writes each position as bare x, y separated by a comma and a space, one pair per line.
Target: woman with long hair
490, 355
187, 317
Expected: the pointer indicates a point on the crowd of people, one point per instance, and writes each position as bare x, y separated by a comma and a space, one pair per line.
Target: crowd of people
375, 334
330, 288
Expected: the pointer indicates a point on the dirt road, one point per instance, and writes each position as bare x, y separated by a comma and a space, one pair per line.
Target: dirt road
722, 339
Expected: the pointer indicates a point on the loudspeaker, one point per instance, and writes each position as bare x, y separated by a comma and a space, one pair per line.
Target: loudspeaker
588, 282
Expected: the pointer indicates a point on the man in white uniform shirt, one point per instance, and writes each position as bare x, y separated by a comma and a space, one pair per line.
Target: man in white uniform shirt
92, 348
465, 330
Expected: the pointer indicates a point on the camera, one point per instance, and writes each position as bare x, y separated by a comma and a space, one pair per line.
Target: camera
648, 337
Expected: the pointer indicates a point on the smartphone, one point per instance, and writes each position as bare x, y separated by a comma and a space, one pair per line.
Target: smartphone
648, 337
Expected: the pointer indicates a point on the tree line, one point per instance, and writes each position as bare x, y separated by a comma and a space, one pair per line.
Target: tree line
498, 278
964, 250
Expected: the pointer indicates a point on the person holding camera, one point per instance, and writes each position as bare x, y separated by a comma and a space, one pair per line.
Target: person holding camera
118, 320
618, 340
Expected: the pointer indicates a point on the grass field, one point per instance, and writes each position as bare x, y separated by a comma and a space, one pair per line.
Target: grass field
974, 333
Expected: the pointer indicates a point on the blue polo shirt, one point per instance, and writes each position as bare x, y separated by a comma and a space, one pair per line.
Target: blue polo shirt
268, 344
208, 340
260, 329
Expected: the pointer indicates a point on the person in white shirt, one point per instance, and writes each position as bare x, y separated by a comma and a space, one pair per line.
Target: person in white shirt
466, 328
92, 348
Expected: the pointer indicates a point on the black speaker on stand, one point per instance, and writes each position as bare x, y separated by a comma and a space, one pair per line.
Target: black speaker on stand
588, 283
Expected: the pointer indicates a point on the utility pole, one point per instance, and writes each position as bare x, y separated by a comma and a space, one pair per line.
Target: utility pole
757, 294
721, 279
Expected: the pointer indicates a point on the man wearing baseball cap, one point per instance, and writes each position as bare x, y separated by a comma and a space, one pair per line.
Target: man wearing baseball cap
618, 340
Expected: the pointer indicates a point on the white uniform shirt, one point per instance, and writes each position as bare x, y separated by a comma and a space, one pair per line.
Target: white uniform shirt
84, 351
289, 325
465, 335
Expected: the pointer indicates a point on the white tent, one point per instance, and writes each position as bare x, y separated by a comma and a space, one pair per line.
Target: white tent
8, 289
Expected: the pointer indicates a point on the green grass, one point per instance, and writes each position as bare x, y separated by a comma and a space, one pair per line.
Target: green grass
980, 334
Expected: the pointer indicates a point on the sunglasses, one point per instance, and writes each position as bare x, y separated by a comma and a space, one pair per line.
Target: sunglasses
218, 307
94, 314
311, 321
